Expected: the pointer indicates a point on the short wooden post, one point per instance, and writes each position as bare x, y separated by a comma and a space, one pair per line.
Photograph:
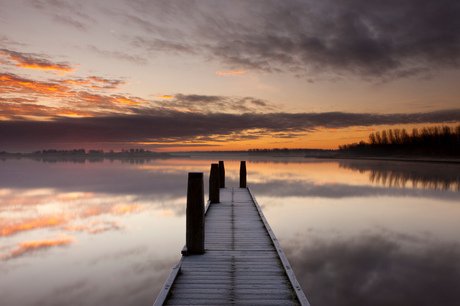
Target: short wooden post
221, 174
243, 183
195, 214
214, 192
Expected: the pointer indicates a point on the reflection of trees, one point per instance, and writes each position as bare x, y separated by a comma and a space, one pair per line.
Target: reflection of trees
399, 175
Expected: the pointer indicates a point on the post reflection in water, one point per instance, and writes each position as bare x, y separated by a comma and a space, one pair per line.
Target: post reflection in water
355, 232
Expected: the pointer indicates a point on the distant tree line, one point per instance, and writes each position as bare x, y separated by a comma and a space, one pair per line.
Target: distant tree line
90, 152
63, 152
78, 153
429, 141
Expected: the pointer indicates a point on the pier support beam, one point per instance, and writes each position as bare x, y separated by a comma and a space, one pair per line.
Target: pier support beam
214, 184
195, 214
243, 174
221, 174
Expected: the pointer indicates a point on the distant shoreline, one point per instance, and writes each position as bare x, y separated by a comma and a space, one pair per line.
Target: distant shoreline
155, 155
151, 155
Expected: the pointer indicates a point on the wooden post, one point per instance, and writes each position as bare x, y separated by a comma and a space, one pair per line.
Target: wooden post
214, 192
221, 174
195, 214
243, 183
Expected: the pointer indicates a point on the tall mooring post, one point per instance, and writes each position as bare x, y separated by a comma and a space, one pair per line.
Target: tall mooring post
243, 183
195, 214
214, 184
221, 174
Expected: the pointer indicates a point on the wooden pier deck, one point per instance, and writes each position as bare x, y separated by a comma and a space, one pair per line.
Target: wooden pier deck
243, 263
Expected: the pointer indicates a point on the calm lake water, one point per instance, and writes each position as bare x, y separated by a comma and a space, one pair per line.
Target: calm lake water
109, 232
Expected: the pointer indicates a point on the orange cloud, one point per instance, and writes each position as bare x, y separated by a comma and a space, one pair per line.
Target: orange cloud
107, 83
231, 73
32, 61
26, 109
184, 110
70, 113
11, 83
165, 96
33, 246
46, 67
104, 87
26, 225
78, 82
126, 100
72, 100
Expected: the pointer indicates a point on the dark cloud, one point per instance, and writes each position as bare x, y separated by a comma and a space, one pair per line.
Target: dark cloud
163, 45
34, 61
93, 82
8, 41
377, 39
161, 124
65, 13
218, 104
377, 269
124, 56
83, 96
67, 20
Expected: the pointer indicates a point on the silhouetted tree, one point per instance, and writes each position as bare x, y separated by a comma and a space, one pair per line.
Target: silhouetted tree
436, 140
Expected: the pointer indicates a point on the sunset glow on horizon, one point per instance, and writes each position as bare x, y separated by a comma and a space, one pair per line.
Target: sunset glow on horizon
120, 74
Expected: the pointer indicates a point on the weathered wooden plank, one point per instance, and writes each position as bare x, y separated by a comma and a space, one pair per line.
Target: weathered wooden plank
189, 296
222, 301
266, 286
265, 302
241, 264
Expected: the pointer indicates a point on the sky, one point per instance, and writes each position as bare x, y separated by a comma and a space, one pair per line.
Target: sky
223, 75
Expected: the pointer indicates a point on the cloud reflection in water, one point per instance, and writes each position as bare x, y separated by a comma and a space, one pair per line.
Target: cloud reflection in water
379, 268
28, 247
128, 219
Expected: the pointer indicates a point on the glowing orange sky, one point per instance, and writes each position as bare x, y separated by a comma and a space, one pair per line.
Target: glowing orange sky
159, 77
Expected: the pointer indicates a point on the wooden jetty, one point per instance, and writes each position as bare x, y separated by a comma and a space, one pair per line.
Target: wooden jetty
240, 261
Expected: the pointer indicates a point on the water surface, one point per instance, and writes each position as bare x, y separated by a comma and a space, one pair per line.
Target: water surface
355, 232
